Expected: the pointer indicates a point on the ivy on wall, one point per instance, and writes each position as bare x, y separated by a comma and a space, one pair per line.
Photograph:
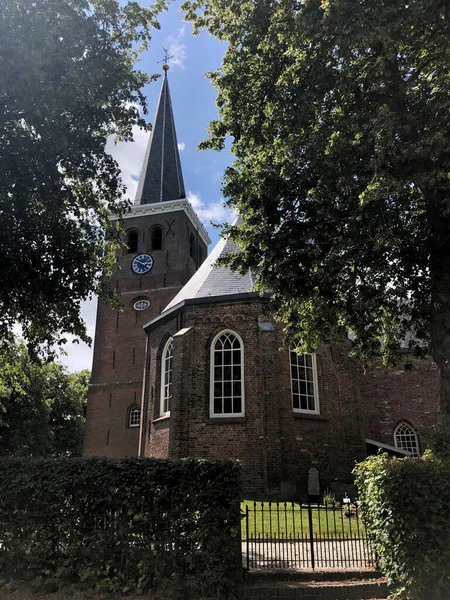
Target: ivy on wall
126, 525
405, 503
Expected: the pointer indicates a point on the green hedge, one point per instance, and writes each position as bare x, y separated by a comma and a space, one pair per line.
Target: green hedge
122, 525
406, 504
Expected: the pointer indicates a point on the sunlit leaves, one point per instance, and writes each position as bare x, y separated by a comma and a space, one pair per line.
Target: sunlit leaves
406, 513
67, 82
338, 114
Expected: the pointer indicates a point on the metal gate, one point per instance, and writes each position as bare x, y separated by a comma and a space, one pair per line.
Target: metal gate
290, 535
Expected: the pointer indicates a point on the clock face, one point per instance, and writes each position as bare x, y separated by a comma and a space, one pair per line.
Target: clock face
141, 264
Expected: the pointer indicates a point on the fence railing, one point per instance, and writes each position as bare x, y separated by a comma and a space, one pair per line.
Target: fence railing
290, 535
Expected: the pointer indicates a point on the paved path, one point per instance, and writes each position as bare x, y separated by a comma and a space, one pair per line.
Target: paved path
298, 554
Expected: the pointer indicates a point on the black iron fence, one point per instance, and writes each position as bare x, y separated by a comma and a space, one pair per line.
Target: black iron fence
290, 535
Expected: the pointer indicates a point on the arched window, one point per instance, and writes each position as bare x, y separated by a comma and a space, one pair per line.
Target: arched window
227, 376
132, 240
305, 398
134, 416
156, 238
192, 246
166, 378
405, 438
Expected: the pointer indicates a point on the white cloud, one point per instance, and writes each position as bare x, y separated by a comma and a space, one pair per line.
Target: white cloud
176, 49
181, 146
216, 212
79, 356
130, 156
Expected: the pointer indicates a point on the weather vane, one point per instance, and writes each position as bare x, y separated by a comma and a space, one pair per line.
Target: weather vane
165, 59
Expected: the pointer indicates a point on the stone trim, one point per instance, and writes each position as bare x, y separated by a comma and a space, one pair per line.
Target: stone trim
169, 206
163, 418
225, 420
116, 383
309, 416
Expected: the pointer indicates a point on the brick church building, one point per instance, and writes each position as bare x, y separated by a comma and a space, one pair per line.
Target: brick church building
192, 365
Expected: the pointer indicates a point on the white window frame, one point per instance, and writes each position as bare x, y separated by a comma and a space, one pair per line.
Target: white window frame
131, 412
412, 433
306, 411
212, 414
166, 387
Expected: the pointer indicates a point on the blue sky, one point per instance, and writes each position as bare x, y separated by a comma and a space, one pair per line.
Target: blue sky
193, 100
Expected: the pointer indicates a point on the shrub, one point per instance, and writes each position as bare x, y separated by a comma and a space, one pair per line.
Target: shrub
405, 503
329, 498
122, 525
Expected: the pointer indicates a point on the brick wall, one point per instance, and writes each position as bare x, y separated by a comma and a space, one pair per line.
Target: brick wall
332, 441
119, 348
276, 445
219, 438
409, 393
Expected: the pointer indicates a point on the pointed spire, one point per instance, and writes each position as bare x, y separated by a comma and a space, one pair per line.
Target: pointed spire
161, 177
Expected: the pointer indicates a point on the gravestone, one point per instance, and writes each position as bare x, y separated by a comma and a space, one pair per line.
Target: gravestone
288, 490
341, 489
313, 485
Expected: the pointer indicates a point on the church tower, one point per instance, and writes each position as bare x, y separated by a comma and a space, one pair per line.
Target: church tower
165, 245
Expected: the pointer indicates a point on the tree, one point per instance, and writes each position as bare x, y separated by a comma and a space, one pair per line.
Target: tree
67, 82
67, 399
41, 405
339, 114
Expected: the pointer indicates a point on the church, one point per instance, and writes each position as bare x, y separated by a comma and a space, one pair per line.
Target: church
192, 366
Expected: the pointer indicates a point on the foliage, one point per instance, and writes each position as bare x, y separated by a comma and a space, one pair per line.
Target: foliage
405, 504
67, 82
41, 405
329, 497
339, 114
122, 525
437, 440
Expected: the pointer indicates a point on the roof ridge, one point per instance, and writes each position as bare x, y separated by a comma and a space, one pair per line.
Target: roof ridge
215, 280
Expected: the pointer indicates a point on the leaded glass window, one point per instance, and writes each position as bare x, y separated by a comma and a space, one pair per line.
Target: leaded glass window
405, 438
134, 416
166, 377
227, 375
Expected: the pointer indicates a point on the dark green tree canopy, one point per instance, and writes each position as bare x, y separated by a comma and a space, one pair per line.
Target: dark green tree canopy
67, 82
339, 115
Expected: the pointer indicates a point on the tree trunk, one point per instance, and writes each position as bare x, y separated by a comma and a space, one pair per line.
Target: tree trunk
440, 310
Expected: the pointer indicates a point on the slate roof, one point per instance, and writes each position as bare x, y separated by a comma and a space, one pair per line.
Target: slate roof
161, 177
212, 280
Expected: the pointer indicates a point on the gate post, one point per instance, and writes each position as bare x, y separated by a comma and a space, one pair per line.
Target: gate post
311, 534
246, 537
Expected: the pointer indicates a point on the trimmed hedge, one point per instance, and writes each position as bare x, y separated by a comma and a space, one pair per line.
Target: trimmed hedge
406, 505
122, 525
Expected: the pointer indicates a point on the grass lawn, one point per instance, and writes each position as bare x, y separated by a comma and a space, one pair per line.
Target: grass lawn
291, 519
